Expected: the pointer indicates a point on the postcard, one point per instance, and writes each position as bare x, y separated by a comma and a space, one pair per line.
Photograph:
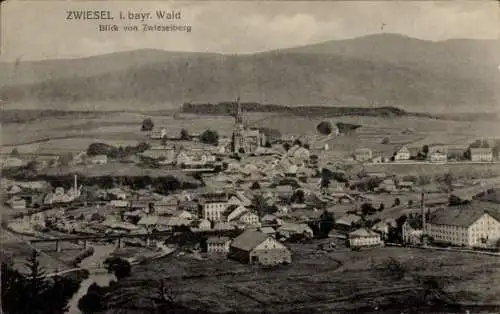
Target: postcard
250, 157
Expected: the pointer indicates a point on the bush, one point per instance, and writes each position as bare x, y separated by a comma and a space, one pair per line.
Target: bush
255, 186
297, 143
324, 128
397, 202
210, 137
118, 266
15, 153
367, 209
147, 125
184, 135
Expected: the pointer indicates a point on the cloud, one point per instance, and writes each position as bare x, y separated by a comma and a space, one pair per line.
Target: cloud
38, 30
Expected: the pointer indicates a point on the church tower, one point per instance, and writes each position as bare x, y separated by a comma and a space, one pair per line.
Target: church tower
238, 139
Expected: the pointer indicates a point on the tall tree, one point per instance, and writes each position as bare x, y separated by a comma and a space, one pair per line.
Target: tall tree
35, 284
12, 287
184, 135
425, 150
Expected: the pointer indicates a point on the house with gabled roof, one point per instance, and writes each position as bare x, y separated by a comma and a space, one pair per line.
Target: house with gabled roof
249, 219
256, 247
235, 211
348, 220
364, 237
402, 154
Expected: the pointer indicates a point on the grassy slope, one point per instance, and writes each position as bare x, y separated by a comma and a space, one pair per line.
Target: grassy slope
123, 128
309, 281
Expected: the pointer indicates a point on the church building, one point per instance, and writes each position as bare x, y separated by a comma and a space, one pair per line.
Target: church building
244, 139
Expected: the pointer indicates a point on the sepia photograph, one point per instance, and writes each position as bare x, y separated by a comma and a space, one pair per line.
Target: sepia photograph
227, 157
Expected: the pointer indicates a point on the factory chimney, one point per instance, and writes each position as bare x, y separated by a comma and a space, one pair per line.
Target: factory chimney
75, 186
423, 212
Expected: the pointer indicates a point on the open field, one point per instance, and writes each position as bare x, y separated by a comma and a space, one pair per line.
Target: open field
312, 282
458, 170
125, 126
115, 169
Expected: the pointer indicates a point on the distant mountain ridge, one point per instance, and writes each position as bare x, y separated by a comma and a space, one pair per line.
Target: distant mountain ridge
383, 70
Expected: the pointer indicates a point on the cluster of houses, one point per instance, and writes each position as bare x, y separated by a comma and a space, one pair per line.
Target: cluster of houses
436, 153
268, 197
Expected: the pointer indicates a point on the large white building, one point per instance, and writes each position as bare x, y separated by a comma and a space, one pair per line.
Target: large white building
364, 238
474, 225
213, 207
481, 154
402, 154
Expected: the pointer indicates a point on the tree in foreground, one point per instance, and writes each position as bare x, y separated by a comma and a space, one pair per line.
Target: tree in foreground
34, 293
92, 302
118, 266
35, 283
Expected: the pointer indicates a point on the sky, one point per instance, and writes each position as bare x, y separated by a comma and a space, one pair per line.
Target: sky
36, 30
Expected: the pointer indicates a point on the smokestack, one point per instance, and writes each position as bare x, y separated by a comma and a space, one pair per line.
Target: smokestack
423, 212
76, 185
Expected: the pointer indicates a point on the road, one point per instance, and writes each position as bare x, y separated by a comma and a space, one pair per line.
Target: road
93, 264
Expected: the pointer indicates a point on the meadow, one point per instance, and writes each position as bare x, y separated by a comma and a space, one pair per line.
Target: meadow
59, 134
74, 133
313, 283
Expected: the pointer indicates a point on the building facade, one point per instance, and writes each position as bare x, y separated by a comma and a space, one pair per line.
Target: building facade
363, 154
413, 231
218, 245
250, 218
213, 207
161, 152
402, 154
255, 247
481, 154
465, 226
364, 238
157, 134
438, 157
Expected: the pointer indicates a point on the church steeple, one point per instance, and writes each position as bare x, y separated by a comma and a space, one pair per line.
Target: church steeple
239, 113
